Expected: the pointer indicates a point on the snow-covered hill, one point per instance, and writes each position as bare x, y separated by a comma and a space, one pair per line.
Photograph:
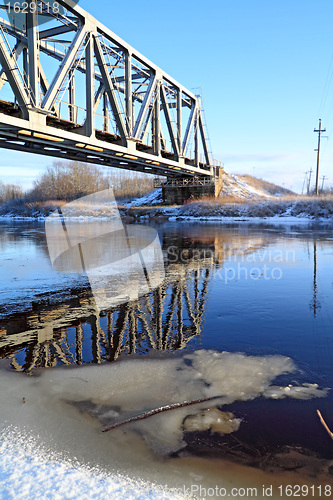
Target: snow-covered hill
248, 187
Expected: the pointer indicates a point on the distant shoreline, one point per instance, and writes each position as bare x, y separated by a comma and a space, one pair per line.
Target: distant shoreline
149, 207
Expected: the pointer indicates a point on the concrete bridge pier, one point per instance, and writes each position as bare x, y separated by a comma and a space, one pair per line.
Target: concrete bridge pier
178, 191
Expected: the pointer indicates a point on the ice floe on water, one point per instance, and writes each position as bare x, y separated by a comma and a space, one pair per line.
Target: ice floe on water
115, 392
65, 409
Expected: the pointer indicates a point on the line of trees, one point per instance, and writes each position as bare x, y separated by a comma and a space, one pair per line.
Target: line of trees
10, 192
71, 180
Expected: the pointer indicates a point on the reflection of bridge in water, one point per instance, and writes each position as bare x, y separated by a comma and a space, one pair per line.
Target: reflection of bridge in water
168, 318
165, 319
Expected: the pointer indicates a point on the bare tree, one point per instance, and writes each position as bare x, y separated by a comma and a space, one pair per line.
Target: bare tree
9, 192
71, 180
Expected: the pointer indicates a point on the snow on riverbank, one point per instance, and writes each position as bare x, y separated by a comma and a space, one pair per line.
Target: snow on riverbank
150, 199
313, 208
26, 471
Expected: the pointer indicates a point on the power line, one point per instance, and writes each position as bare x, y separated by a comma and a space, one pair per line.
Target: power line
326, 86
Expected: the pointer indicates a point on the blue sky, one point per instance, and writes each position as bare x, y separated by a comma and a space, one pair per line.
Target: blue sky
266, 72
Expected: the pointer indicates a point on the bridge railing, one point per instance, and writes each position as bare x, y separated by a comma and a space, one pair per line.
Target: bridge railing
184, 182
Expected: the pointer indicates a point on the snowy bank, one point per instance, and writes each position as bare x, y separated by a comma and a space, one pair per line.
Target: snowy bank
311, 208
247, 203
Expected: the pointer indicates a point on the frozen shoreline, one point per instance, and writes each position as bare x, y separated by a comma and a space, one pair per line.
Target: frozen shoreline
176, 217
149, 207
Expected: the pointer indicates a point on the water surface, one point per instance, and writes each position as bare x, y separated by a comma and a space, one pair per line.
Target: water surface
261, 293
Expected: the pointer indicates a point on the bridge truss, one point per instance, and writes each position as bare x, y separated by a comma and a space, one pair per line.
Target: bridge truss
71, 88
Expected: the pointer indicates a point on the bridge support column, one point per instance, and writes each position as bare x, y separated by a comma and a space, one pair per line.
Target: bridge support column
178, 191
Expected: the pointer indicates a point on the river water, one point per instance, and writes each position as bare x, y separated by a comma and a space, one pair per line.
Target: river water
243, 319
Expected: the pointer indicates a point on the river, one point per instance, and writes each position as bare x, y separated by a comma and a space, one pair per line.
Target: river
241, 318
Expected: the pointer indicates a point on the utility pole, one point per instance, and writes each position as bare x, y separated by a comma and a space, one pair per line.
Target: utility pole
320, 130
305, 180
310, 173
322, 186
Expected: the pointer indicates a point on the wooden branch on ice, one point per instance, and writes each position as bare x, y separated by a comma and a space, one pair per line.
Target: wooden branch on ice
161, 409
325, 424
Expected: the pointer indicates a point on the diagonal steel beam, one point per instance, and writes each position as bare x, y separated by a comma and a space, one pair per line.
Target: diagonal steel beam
189, 126
63, 70
17, 51
168, 121
110, 89
12, 74
55, 31
45, 85
148, 118
145, 105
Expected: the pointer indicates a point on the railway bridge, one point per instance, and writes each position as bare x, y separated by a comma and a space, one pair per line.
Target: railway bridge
71, 88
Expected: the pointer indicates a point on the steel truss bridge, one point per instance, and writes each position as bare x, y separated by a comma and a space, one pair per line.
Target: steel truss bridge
70, 88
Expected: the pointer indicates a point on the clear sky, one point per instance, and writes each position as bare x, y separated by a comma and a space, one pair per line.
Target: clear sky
265, 69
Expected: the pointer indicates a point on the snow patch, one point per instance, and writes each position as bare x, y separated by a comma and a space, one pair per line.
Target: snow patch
153, 198
27, 471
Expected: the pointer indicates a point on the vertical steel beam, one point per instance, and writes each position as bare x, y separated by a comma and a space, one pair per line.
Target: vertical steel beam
157, 121
128, 93
90, 87
196, 139
32, 23
78, 344
204, 139
180, 322
132, 330
71, 95
179, 121
105, 112
158, 319
95, 338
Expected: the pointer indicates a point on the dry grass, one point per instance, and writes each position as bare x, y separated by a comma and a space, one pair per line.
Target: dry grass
304, 197
283, 206
265, 186
24, 208
222, 200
